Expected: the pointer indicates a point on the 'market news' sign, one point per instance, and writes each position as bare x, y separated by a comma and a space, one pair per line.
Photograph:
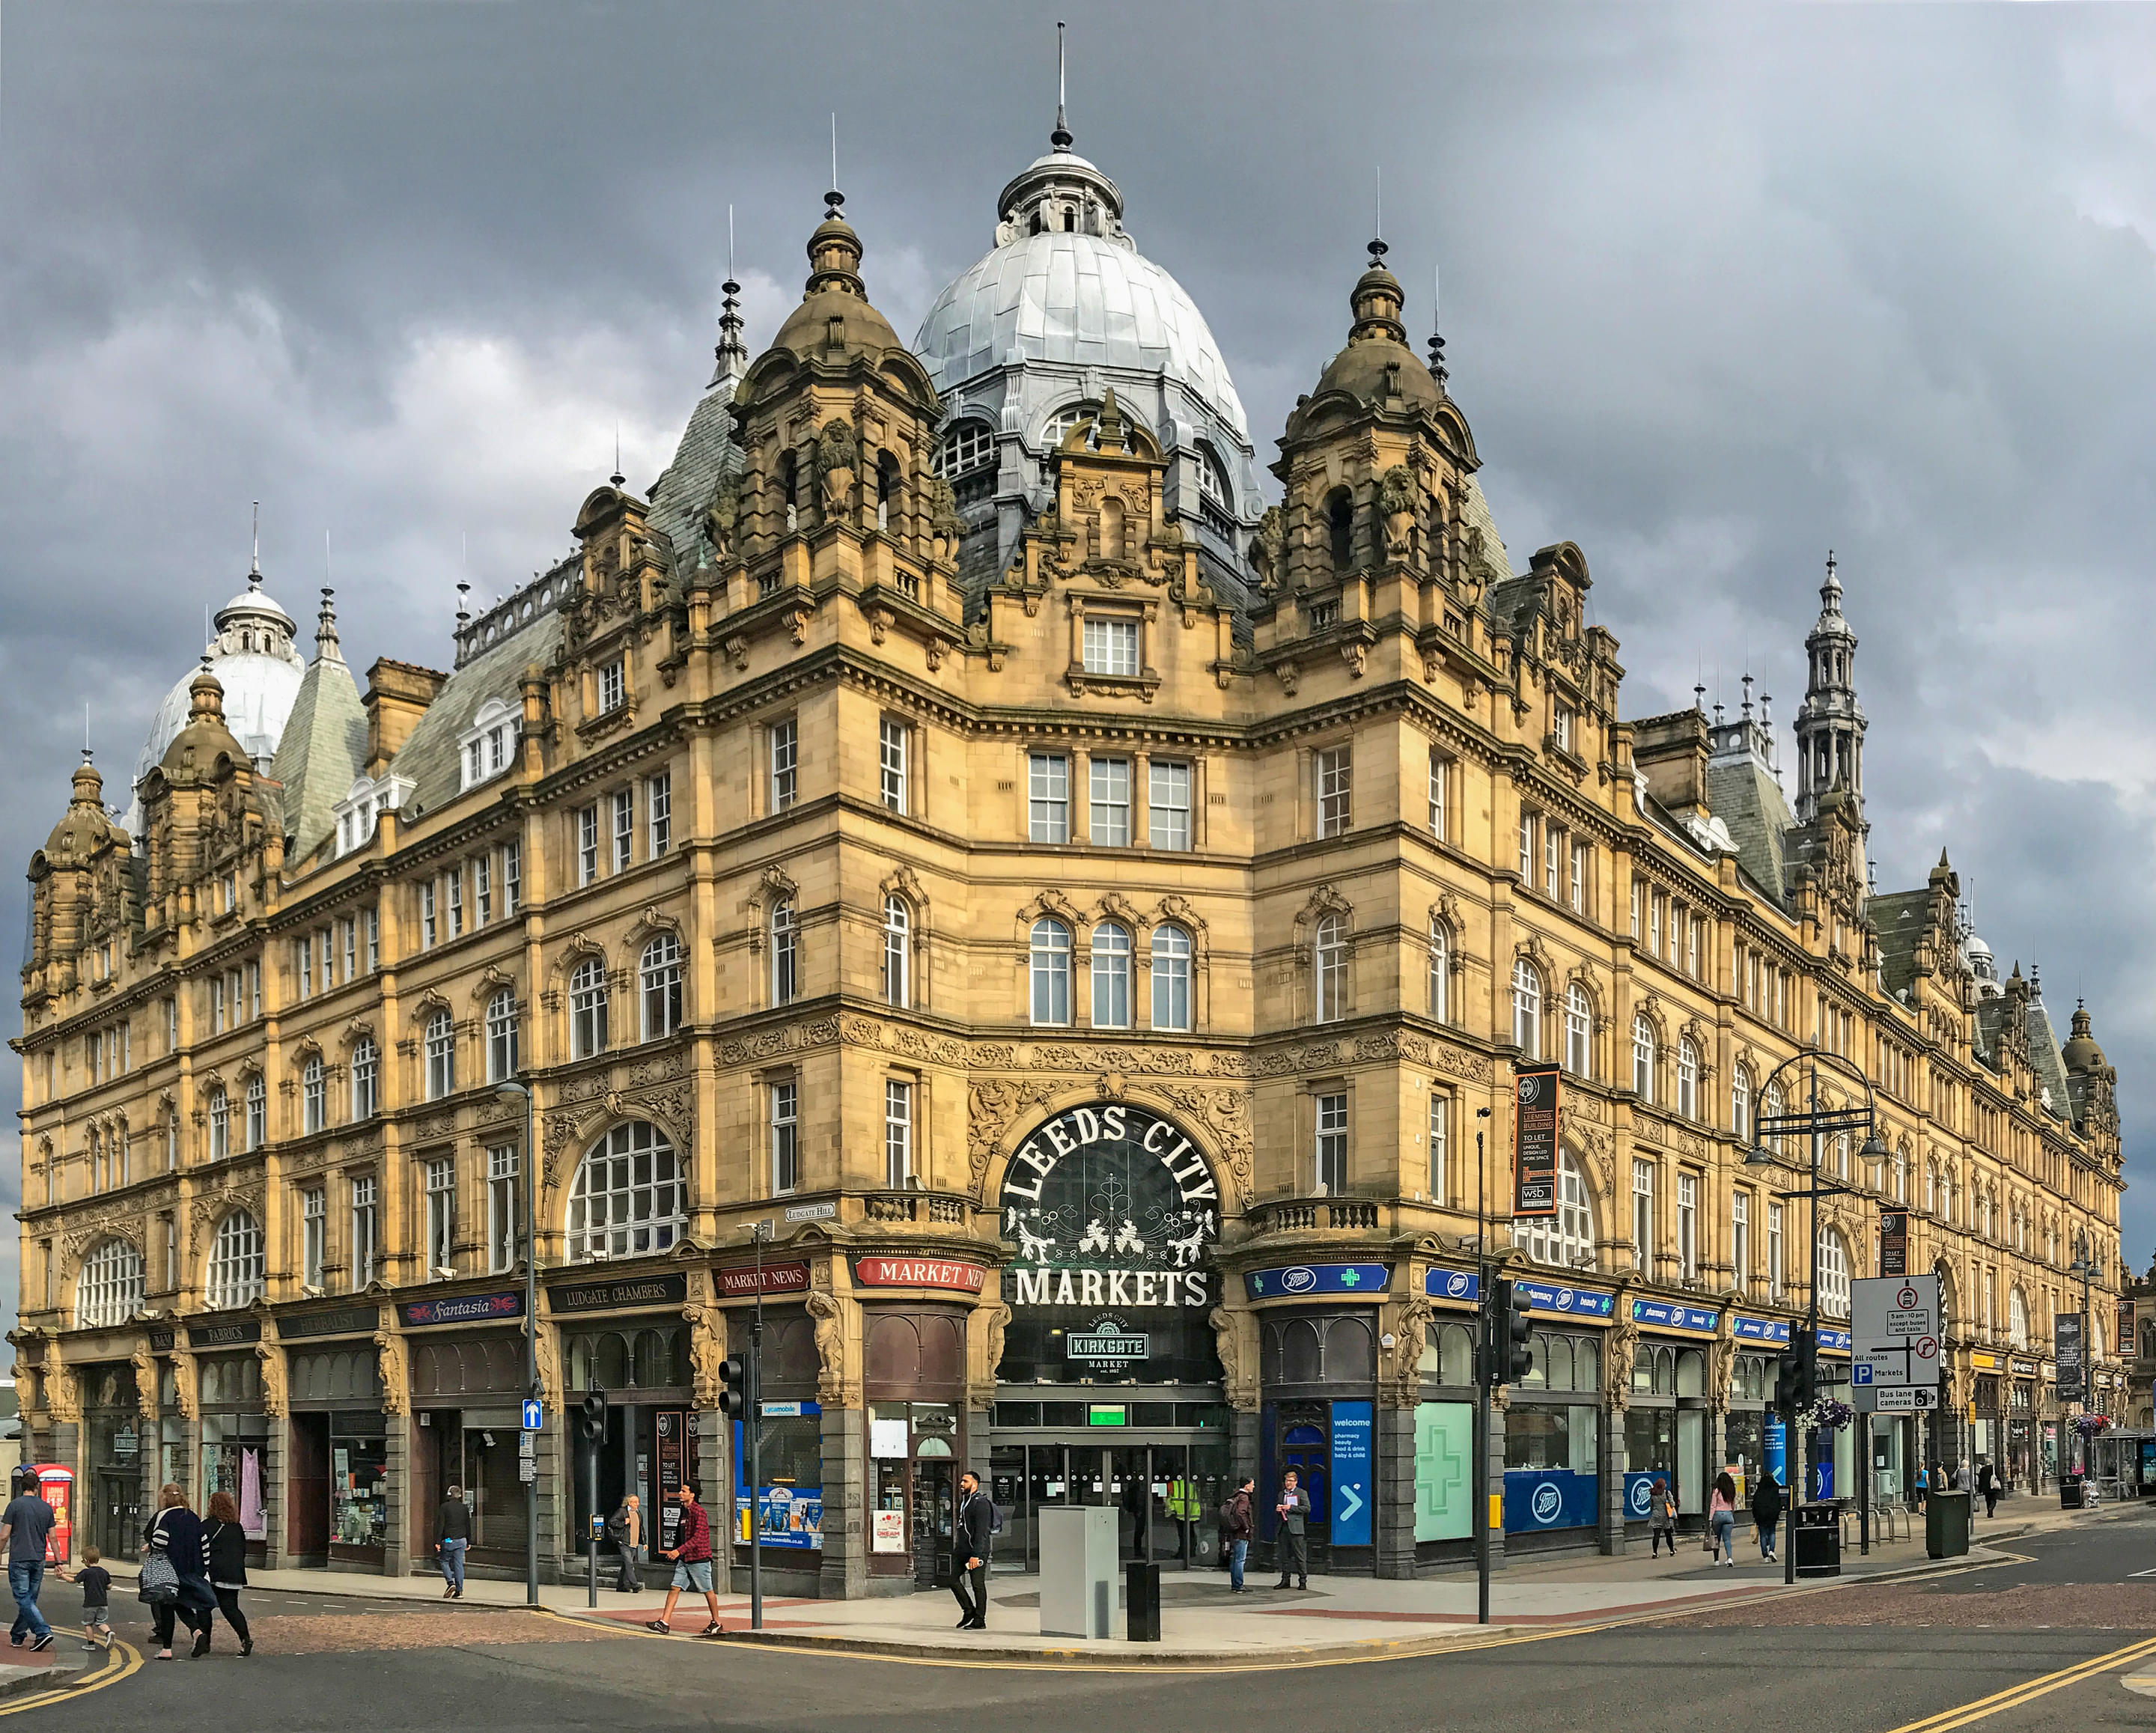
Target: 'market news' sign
1534, 1141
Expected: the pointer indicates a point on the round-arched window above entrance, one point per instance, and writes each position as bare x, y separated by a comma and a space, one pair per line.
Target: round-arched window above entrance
1110, 1212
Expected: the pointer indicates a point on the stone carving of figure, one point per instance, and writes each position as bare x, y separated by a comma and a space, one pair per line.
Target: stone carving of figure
824, 1308
145, 1380
838, 458
708, 1353
943, 522
995, 1320
1265, 545
1396, 502
396, 1389
723, 516
1228, 1343
273, 1379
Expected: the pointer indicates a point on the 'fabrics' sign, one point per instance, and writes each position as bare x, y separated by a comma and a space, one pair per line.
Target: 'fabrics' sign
959, 1277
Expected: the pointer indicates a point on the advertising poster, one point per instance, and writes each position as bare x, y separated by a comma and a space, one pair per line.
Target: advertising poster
1534, 1141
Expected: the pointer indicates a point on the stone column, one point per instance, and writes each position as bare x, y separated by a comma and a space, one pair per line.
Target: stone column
273, 1453
712, 1469
1394, 1486
397, 1494
844, 1567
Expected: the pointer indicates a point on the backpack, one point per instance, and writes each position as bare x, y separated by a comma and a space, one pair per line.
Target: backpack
995, 1514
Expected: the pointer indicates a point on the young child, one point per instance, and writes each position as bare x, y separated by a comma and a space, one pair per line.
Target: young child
96, 1583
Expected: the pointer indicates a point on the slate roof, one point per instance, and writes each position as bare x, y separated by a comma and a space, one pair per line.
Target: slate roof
2046, 1061
706, 451
1901, 916
1743, 793
321, 752
430, 757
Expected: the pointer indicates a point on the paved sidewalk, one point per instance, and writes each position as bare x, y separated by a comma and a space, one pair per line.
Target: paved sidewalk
1201, 1623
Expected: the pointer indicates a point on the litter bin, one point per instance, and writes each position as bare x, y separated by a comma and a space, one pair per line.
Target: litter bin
1818, 1541
2071, 1496
1142, 1602
1946, 1524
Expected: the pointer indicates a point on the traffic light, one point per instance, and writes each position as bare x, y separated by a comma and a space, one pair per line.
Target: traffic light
733, 1400
1796, 1373
1511, 1325
593, 1420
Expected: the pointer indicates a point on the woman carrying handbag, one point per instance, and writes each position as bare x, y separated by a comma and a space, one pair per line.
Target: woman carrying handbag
175, 1583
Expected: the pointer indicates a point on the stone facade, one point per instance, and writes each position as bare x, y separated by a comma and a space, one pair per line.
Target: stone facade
806, 885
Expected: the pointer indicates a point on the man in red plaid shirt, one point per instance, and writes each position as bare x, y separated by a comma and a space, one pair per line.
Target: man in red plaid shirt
692, 1565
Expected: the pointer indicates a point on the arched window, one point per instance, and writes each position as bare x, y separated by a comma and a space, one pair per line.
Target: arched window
659, 977
1740, 1103
1112, 977
441, 1043
501, 1036
1833, 1275
897, 952
258, 1111
314, 1094
629, 1197
1931, 1186
1567, 1237
1902, 1174
1332, 961
587, 1008
1066, 418
108, 1289
964, 447
1440, 969
1171, 978
235, 1263
364, 1073
1526, 1009
2017, 1318
1688, 1078
1340, 526
1579, 1031
220, 1124
1051, 969
1212, 478
1770, 1104
1643, 1059
785, 955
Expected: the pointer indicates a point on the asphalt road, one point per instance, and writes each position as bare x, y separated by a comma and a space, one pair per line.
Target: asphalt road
1866, 1658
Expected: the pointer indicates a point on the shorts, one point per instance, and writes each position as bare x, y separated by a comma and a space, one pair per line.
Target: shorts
93, 1616
693, 1573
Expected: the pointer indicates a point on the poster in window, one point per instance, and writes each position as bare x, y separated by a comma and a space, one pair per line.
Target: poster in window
887, 1531
1534, 1141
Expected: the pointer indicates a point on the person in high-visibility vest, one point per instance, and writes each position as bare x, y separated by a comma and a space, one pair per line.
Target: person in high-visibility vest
1182, 1503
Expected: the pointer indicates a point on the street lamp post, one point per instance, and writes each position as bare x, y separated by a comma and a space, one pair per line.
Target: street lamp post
1817, 1124
1484, 1348
509, 1092
2084, 1266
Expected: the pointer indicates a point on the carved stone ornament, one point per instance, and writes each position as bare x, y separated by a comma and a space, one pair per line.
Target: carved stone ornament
829, 1311
273, 1379
396, 1387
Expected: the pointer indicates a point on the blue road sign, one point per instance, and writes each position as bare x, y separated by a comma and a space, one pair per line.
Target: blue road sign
534, 1421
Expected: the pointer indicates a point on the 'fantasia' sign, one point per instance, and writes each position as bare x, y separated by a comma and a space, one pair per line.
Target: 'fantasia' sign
1110, 1205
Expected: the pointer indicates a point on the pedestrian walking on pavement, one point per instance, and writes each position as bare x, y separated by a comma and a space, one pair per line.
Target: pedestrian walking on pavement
1767, 1512
24, 1526
971, 1538
1722, 1519
625, 1530
1923, 1486
1293, 1510
1237, 1527
96, 1598
453, 1524
692, 1565
224, 1551
175, 1572
1987, 1483
1661, 1518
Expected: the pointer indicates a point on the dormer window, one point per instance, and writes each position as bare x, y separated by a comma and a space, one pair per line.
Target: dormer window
365, 802
490, 744
614, 686
970, 445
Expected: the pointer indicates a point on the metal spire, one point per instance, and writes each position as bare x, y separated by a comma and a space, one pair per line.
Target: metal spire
731, 354
1060, 137
1436, 338
617, 477
255, 556
834, 198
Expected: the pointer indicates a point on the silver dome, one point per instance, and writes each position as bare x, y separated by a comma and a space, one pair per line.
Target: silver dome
1083, 300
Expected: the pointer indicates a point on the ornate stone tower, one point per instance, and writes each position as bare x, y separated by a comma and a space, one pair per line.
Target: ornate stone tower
1830, 723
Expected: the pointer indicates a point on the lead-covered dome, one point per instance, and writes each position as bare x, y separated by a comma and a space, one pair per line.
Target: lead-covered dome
260, 672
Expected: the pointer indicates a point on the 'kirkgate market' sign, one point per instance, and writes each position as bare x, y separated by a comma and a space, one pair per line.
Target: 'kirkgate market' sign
1110, 1205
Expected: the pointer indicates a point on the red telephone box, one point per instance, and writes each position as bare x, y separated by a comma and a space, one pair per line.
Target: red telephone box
56, 1487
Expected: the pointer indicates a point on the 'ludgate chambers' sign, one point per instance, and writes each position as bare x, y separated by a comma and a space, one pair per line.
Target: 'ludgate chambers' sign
1110, 1205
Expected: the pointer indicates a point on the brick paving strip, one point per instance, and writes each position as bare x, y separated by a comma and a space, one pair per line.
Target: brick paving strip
2093, 1606
293, 1634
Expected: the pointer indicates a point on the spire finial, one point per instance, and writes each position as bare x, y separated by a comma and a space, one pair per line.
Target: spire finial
464, 616
1060, 137
732, 354
254, 553
1436, 337
1699, 697
834, 199
326, 630
617, 477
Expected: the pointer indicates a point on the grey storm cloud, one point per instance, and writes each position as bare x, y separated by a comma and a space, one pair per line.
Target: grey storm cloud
1723, 287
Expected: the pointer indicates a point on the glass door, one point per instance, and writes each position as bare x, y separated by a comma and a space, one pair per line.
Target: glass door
1008, 1485
935, 1499
1131, 1491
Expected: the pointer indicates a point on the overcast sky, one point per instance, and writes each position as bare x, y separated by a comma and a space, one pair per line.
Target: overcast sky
1724, 287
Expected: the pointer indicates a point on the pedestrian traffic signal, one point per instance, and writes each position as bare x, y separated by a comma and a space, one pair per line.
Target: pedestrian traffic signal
1512, 1316
1796, 1373
593, 1420
733, 1400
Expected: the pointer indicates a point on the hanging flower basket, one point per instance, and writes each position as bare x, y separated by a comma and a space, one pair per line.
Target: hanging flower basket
2089, 1425
1828, 1415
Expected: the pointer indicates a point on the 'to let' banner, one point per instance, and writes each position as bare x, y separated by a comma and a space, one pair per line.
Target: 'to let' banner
1534, 1141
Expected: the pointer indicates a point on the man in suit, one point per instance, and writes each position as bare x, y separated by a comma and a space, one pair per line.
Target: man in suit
1293, 1510
970, 1541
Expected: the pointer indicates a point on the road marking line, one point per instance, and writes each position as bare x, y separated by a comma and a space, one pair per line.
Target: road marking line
2029, 1691
120, 1661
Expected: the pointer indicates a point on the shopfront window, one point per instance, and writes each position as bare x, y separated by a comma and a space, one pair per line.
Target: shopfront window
234, 1434
359, 1481
789, 1509
1553, 1436
913, 1452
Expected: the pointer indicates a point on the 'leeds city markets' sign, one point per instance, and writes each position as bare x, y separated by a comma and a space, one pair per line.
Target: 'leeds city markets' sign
1110, 1205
